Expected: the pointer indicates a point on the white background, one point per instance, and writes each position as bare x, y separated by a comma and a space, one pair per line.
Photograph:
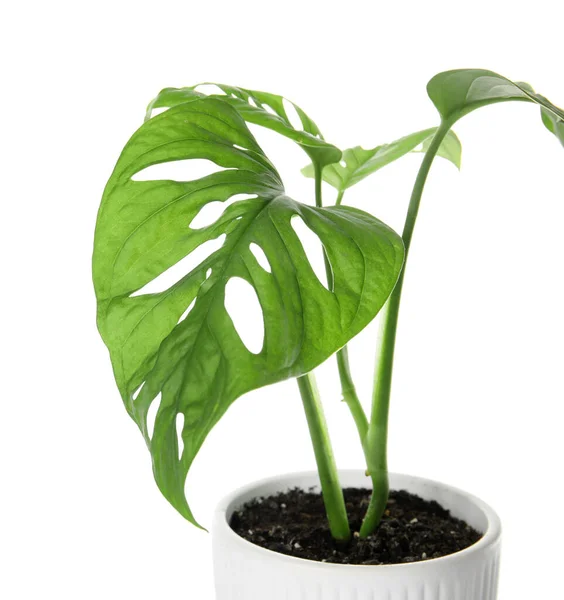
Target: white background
478, 394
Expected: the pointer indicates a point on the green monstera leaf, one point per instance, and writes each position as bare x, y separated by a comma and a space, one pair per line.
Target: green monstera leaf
359, 163
260, 108
459, 92
179, 347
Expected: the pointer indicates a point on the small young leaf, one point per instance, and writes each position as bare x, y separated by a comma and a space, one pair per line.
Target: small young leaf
450, 148
263, 109
459, 92
180, 344
360, 163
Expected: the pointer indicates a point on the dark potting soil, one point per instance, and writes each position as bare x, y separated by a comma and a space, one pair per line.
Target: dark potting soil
411, 530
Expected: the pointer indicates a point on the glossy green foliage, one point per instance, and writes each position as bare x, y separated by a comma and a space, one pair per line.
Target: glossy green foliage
459, 92
196, 364
553, 123
261, 108
360, 163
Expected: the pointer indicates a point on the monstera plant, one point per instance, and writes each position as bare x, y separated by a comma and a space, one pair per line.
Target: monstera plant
179, 347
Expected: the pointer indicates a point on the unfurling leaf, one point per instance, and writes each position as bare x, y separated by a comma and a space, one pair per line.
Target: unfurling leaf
196, 364
360, 163
260, 108
459, 92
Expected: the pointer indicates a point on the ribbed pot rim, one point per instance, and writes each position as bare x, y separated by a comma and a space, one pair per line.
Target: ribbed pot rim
227, 505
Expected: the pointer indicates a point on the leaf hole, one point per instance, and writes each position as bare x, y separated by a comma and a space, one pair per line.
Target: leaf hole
242, 197
269, 109
212, 211
137, 392
260, 257
292, 114
187, 311
210, 89
152, 415
312, 247
158, 111
343, 164
252, 102
208, 273
189, 169
184, 266
179, 429
243, 306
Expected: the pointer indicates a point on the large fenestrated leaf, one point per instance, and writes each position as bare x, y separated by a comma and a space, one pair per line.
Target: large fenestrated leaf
360, 162
459, 92
260, 108
199, 364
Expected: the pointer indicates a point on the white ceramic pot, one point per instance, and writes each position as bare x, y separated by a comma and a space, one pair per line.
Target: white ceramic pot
244, 571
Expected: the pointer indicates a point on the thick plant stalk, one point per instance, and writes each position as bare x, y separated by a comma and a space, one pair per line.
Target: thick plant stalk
377, 437
332, 492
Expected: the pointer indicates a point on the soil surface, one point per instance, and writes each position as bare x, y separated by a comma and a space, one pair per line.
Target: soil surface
411, 530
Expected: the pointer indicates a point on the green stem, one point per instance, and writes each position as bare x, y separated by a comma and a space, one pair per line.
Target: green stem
377, 438
349, 393
318, 181
332, 492
340, 197
347, 385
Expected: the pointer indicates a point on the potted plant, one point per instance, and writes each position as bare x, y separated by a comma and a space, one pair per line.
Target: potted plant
178, 349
